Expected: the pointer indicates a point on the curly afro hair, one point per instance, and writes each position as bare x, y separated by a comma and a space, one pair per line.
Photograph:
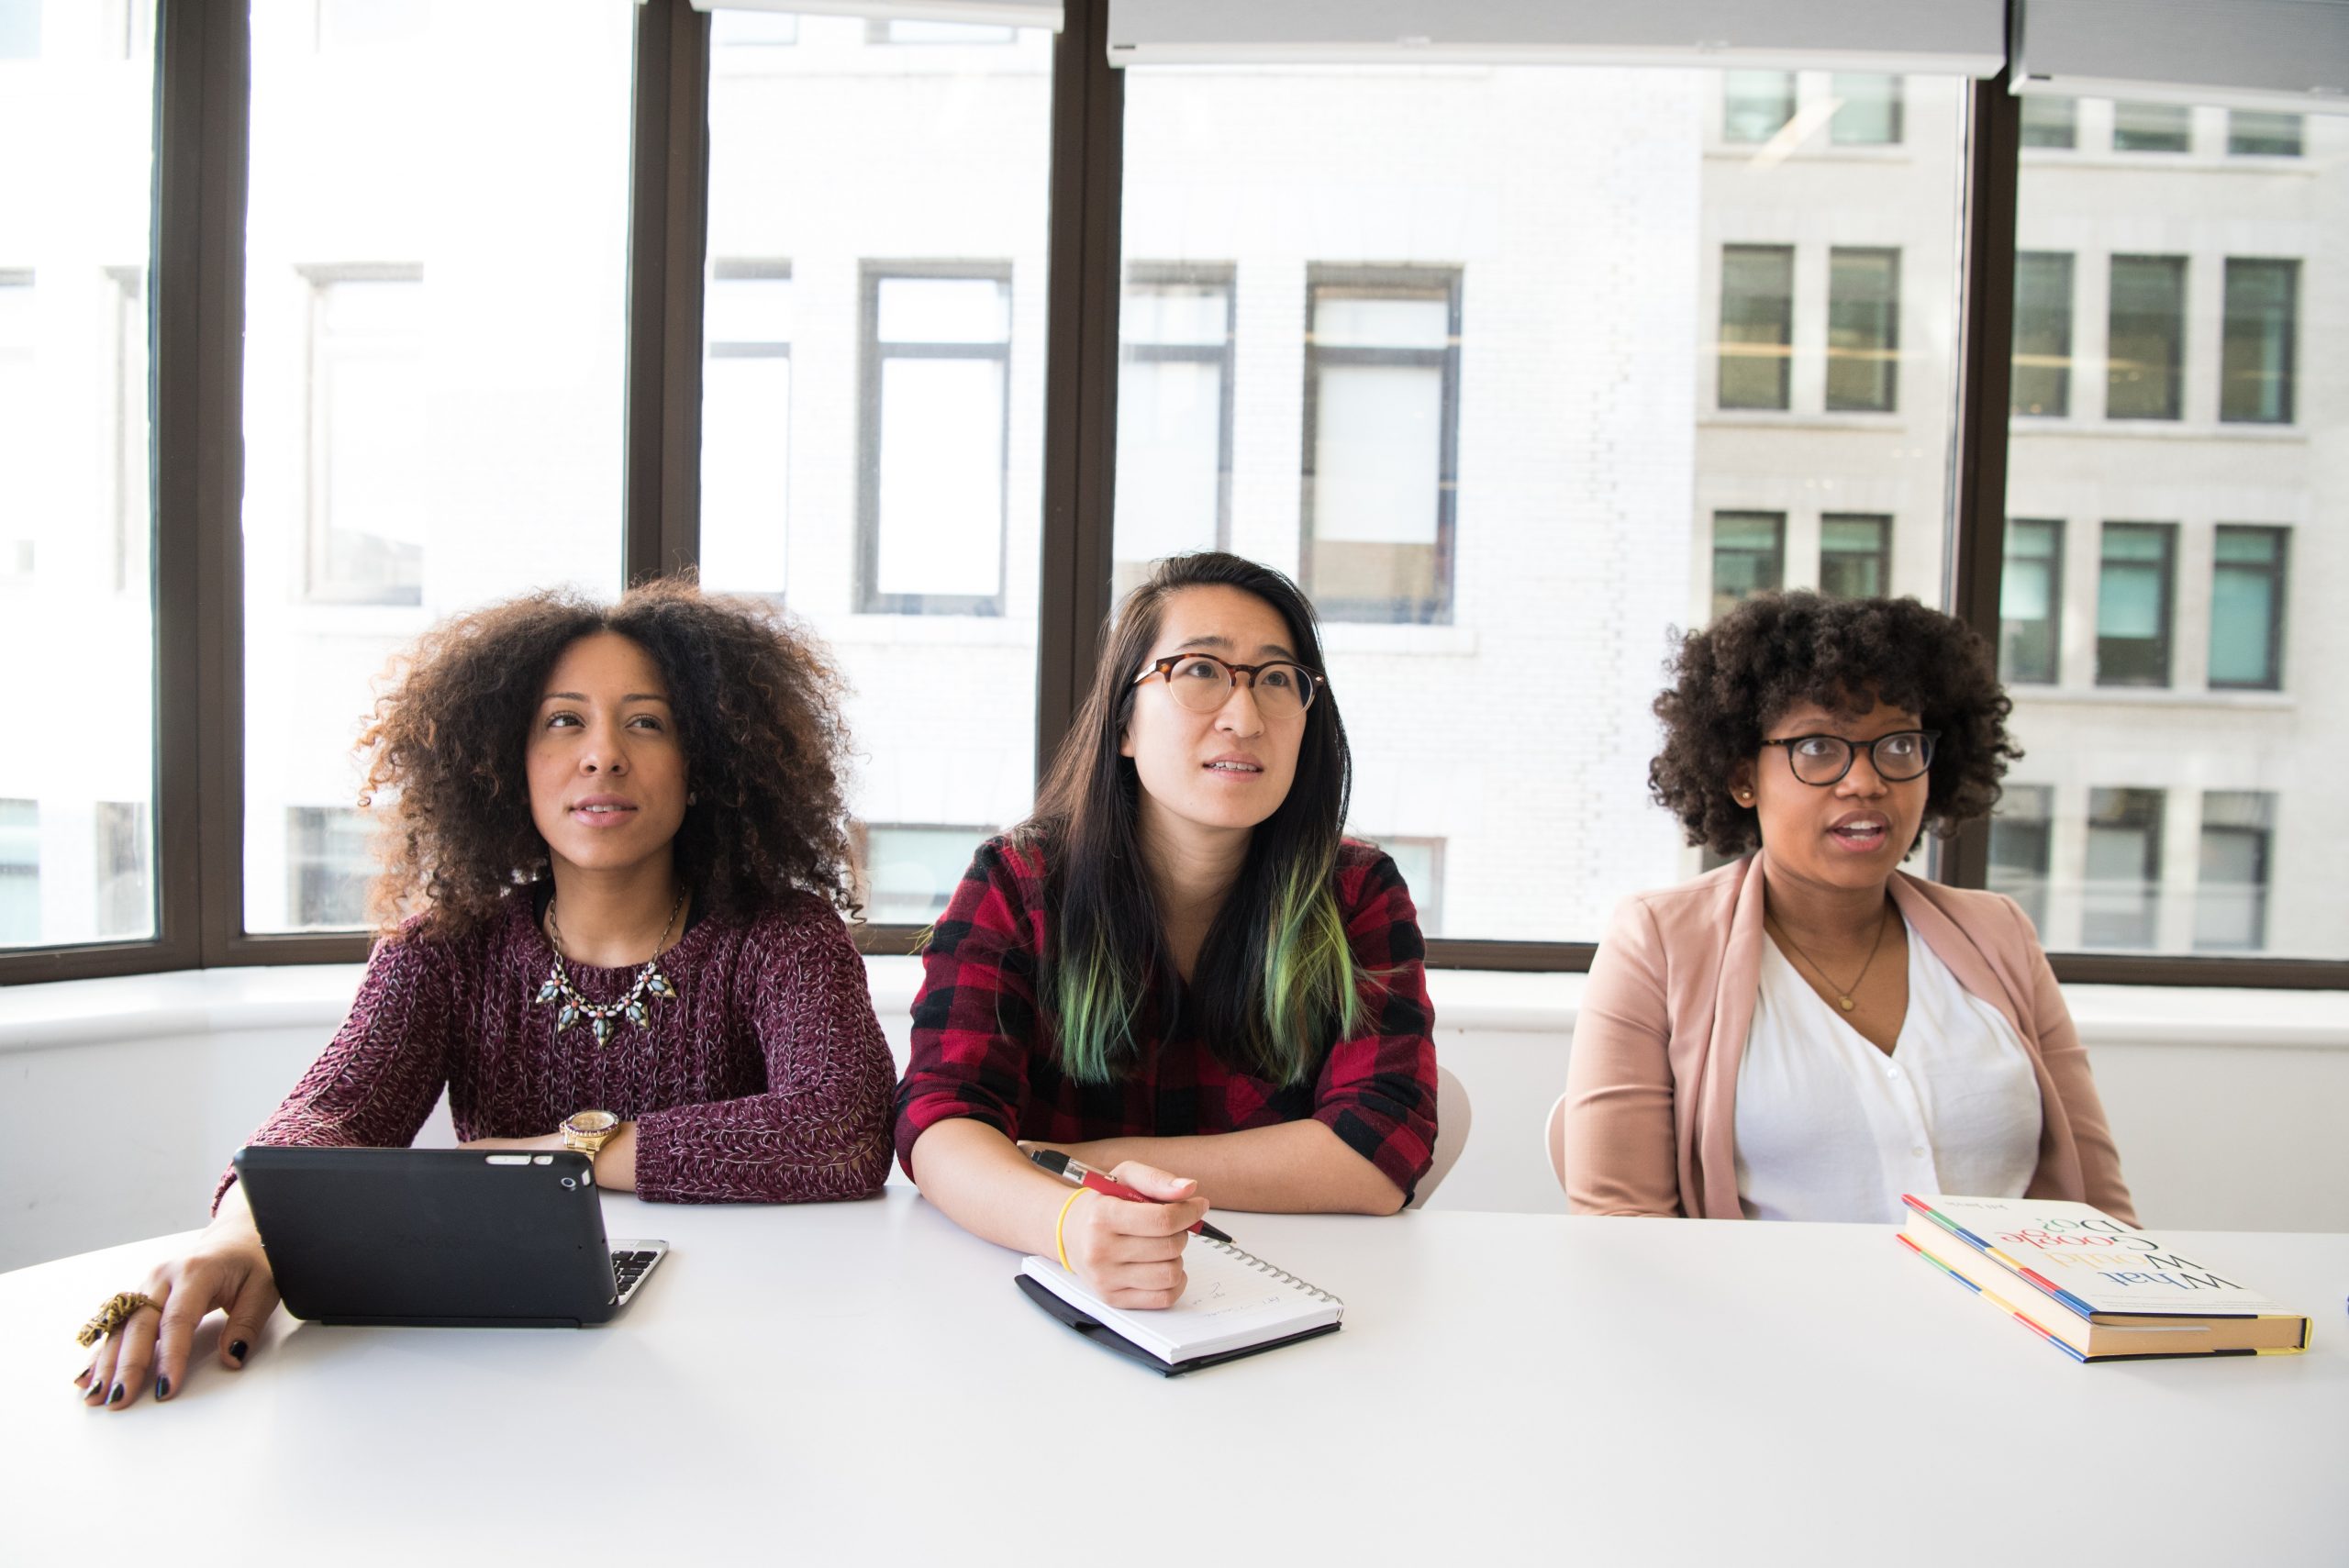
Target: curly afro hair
757, 703
1733, 679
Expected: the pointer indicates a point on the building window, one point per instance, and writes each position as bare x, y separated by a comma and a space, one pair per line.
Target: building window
2151, 127
1862, 329
20, 872
2043, 354
746, 426
909, 31
936, 439
2031, 600
125, 896
1749, 556
2253, 133
2124, 868
19, 404
2051, 122
1757, 324
1382, 439
2022, 835
2247, 608
2147, 350
20, 29
2255, 368
2231, 894
753, 29
1174, 416
367, 506
2133, 603
907, 871
1420, 863
1755, 105
1854, 555
329, 866
1867, 110
130, 505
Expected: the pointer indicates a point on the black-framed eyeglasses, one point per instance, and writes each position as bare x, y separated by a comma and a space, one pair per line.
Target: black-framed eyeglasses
1203, 683
1823, 759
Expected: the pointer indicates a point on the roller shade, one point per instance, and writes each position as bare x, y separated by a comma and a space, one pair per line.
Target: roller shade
2249, 54
978, 13
1951, 36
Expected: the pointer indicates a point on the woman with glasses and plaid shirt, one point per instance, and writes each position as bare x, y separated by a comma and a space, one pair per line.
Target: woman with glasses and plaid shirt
1809, 1031
1176, 971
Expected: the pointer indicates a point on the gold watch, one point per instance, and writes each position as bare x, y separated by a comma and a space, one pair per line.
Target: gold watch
588, 1131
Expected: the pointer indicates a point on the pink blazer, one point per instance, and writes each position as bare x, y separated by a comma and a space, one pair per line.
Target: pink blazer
1652, 1088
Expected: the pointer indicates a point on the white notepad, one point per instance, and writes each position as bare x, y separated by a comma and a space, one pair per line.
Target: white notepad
1232, 1300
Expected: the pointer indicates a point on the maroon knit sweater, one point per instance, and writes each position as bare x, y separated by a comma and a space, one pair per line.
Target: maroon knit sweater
764, 1080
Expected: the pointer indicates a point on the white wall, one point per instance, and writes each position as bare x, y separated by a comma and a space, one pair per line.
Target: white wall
125, 1097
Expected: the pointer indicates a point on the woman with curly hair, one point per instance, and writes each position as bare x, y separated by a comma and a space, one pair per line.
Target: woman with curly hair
613, 876
1176, 971
1808, 1032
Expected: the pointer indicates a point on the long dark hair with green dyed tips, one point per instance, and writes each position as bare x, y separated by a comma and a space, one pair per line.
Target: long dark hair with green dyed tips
1276, 984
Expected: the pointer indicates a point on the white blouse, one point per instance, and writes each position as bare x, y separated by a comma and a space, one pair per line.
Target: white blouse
1829, 1127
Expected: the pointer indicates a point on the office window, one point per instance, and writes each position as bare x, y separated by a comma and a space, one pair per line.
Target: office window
1867, 110
2121, 894
329, 866
2231, 894
911, 31
2151, 127
126, 892
129, 504
746, 426
2253, 133
1175, 406
2133, 603
1755, 105
2147, 340
936, 437
20, 491
907, 871
751, 29
2041, 382
1757, 324
2031, 600
2256, 370
2051, 122
1382, 430
433, 364
1749, 555
1863, 329
2247, 607
2021, 838
20, 29
20, 872
368, 508
1420, 861
1854, 555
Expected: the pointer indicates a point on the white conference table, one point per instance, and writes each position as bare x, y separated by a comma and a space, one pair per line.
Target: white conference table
862, 1382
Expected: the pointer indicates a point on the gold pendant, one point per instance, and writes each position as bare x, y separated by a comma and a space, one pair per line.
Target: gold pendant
1846, 1001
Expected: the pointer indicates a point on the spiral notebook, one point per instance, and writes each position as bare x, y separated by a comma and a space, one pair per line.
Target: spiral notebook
1235, 1304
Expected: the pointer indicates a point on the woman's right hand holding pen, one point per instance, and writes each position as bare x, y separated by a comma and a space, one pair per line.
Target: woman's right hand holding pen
1131, 1254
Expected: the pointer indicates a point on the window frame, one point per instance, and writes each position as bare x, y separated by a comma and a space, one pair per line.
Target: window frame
1224, 356
317, 417
1881, 554
2290, 269
1776, 555
2165, 639
1784, 346
195, 305
2054, 620
2277, 573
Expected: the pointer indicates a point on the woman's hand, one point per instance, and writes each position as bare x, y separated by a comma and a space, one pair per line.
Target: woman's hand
227, 1269
1132, 1254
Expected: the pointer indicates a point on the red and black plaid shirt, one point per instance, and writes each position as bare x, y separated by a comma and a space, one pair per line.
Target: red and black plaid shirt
983, 1048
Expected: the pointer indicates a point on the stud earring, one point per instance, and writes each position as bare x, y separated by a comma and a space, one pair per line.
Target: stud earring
692, 799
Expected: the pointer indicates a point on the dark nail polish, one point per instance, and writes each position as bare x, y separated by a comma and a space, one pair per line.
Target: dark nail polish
116, 1397
237, 1352
163, 1388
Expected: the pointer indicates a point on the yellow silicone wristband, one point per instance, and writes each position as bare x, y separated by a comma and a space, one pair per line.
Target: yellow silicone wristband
1060, 1227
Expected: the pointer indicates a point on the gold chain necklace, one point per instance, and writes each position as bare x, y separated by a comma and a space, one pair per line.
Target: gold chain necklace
649, 984
1843, 993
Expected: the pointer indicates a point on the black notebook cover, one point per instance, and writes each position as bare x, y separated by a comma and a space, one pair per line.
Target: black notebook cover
1109, 1338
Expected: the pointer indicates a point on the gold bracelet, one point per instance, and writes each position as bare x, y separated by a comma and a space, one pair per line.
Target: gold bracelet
1060, 1227
121, 1307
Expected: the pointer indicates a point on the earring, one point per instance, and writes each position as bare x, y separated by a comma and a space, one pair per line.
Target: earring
1745, 796
692, 799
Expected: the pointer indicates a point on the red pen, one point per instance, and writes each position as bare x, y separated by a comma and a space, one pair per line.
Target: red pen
1078, 1174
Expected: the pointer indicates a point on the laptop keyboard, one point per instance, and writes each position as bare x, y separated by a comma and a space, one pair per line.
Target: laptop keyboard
628, 1268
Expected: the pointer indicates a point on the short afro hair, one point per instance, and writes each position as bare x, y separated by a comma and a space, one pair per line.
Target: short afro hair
1733, 679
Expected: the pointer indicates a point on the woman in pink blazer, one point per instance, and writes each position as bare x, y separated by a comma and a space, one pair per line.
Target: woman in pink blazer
1808, 1032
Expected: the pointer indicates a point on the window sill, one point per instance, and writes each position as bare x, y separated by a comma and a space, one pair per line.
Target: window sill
2173, 162
2158, 696
313, 997
1892, 424
2042, 425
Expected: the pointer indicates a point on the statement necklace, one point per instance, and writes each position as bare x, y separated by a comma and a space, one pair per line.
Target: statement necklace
1843, 993
651, 986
